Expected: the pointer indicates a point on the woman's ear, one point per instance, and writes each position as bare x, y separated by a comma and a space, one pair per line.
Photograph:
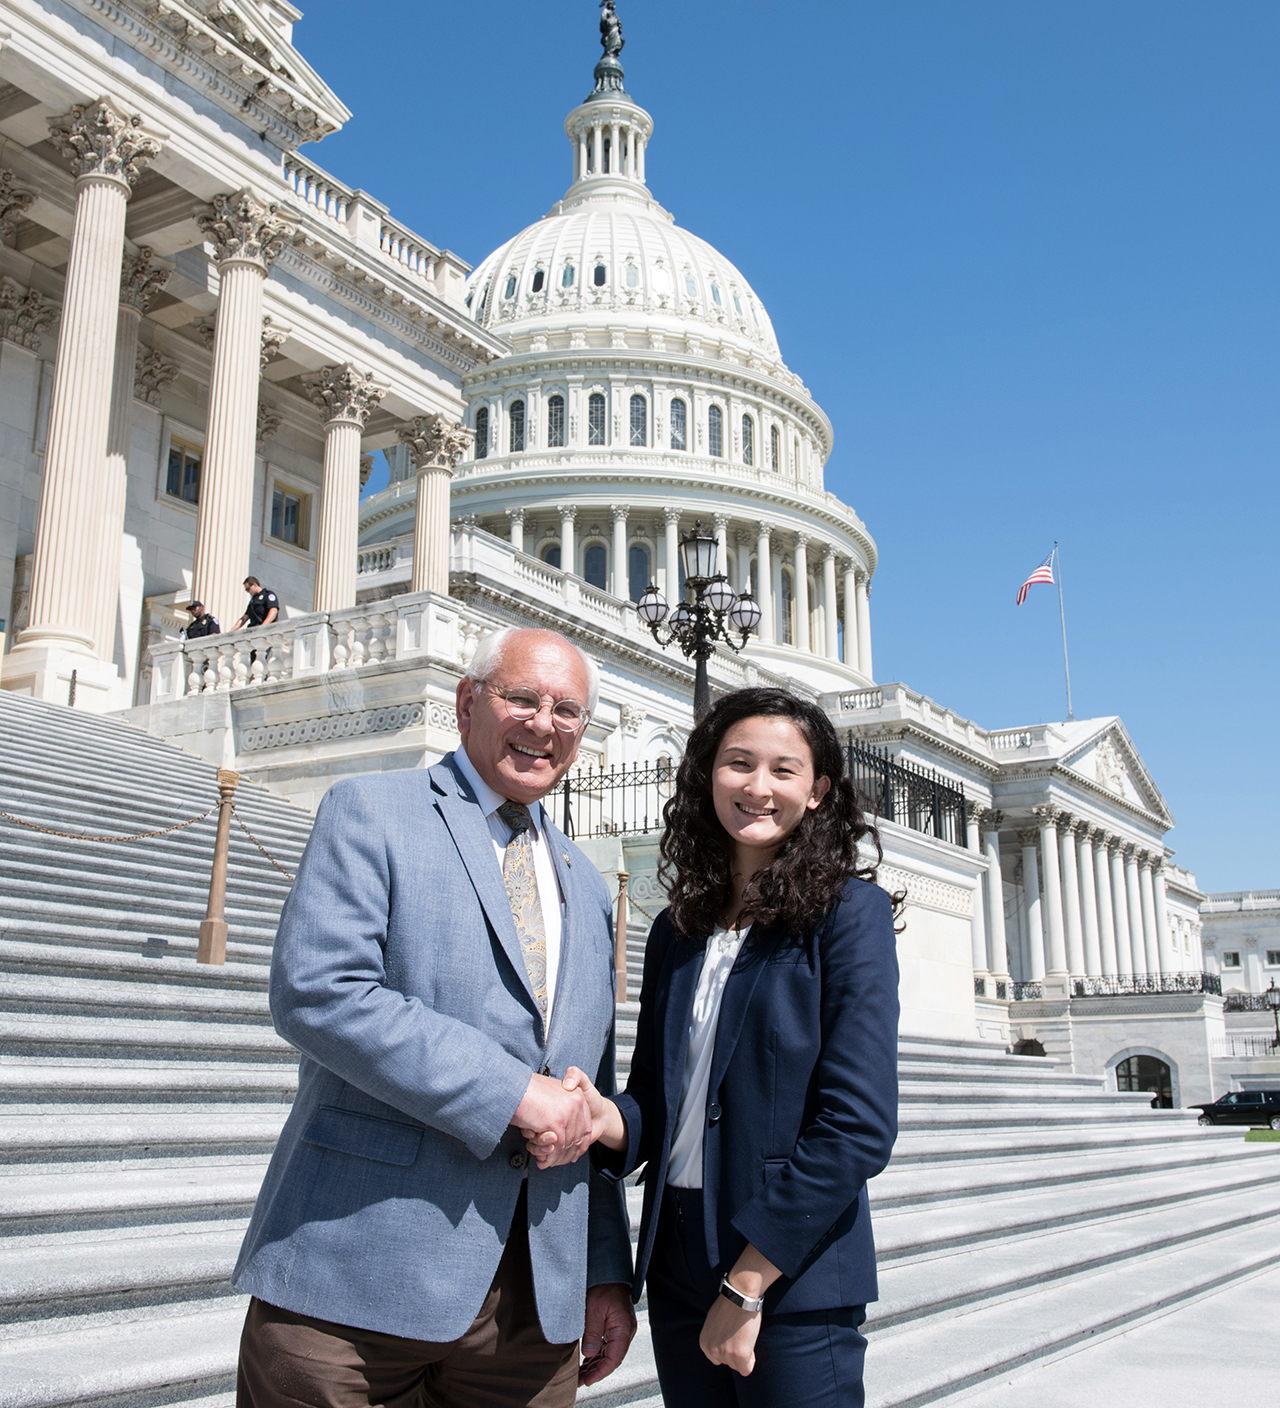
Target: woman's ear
820, 789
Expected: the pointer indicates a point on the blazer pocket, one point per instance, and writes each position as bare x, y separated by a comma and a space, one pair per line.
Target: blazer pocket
364, 1136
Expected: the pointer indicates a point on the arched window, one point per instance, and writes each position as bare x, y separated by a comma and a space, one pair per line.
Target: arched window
551, 554
775, 447
601, 274
786, 611
482, 433
639, 420
638, 573
510, 290
715, 432
748, 440
595, 565
566, 279
1148, 1074
539, 277
516, 415
555, 421
679, 425
633, 276
595, 419
715, 296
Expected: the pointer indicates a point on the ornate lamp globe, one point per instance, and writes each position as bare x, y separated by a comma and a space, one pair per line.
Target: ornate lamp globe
698, 552
719, 595
745, 613
1272, 995
681, 616
652, 607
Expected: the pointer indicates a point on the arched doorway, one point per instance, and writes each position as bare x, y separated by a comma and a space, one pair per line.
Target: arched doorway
1029, 1046
1150, 1075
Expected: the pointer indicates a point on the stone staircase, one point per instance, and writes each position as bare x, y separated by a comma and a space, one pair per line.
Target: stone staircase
1024, 1210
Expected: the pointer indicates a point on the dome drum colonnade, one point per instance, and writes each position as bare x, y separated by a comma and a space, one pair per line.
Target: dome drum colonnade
644, 369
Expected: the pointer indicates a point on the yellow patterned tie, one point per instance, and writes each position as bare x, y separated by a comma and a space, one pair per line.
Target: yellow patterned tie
521, 880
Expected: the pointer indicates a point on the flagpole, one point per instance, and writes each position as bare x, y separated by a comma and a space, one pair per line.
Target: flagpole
1062, 615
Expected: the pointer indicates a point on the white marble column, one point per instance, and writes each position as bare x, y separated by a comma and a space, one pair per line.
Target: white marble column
864, 625
435, 447
851, 616
345, 396
140, 280
1027, 838
1150, 935
1106, 904
974, 812
1120, 903
1168, 959
743, 541
516, 515
621, 587
721, 525
246, 235
764, 584
997, 947
1071, 897
802, 592
106, 149
671, 517
1089, 900
1133, 896
568, 547
1056, 951
830, 606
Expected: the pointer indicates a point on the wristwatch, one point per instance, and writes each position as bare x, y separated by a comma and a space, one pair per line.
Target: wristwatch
752, 1305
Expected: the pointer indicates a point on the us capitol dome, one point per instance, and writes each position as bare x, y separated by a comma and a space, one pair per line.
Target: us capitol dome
644, 391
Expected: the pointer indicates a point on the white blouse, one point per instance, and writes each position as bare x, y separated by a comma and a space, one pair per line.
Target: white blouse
684, 1168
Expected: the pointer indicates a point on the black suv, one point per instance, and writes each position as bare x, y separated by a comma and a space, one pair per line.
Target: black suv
1255, 1107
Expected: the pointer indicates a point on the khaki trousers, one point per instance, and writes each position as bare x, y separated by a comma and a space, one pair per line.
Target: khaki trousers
502, 1361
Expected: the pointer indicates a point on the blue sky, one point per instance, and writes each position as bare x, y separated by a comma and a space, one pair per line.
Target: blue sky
1024, 256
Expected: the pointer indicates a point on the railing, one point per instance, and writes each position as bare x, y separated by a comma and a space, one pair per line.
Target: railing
325, 194
862, 699
904, 792
1243, 1001
991, 987
1026, 992
617, 801
403, 247
1244, 1046
1016, 738
1134, 984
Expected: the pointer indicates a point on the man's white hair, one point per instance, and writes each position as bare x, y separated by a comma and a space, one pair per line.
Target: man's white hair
488, 658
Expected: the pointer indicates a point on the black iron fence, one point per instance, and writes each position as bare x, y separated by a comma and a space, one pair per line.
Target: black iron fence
1134, 984
907, 793
1243, 1001
616, 801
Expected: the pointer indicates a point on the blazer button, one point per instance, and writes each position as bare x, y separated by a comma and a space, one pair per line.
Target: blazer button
713, 1114
518, 1160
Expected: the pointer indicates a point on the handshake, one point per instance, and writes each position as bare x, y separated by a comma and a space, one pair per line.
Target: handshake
560, 1120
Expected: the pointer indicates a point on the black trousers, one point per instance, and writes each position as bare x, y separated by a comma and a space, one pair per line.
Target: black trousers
807, 1359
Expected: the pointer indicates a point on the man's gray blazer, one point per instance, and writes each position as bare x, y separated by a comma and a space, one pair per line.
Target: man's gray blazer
398, 975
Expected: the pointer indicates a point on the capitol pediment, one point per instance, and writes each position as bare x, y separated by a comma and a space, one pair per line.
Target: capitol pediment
1108, 758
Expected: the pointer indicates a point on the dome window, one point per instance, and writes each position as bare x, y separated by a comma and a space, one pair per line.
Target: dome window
748, 440
595, 565
539, 278
637, 571
775, 447
691, 286
737, 305
754, 318
551, 554
715, 296
510, 290
482, 433
516, 416
679, 425
599, 276
633, 276
555, 422
639, 421
595, 419
715, 432
470, 296
566, 279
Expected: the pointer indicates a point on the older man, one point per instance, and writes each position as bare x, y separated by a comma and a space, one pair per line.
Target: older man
443, 958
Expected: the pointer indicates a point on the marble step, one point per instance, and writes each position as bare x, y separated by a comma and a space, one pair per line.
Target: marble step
100, 995
42, 1037
144, 1136
154, 965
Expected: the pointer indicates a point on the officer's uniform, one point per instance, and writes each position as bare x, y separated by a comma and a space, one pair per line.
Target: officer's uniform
206, 625
259, 604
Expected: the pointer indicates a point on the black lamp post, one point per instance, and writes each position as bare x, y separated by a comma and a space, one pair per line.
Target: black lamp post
695, 626
1272, 995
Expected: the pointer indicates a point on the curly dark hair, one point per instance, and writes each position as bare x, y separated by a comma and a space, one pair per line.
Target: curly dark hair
803, 881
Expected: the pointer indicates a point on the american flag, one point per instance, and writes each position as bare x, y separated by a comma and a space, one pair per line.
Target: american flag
1043, 573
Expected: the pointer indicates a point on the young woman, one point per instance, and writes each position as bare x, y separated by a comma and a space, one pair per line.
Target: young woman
763, 1090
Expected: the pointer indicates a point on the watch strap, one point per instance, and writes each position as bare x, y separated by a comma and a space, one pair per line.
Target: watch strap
752, 1304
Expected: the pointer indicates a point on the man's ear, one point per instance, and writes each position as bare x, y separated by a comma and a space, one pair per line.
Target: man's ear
464, 699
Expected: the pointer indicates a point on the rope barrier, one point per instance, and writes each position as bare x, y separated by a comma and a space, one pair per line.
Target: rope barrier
260, 846
141, 835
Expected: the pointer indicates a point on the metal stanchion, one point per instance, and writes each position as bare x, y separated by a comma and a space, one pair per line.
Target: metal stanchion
620, 936
213, 929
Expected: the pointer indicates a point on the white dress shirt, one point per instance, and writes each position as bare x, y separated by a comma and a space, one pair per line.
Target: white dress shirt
549, 896
684, 1167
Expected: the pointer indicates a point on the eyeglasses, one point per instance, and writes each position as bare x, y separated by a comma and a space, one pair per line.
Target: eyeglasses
524, 702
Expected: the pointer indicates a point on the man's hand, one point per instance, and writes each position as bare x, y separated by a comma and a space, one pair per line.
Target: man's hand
549, 1108
607, 1124
729, 1336
608, 1332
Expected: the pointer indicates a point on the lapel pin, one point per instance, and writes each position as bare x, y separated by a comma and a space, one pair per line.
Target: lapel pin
567, 861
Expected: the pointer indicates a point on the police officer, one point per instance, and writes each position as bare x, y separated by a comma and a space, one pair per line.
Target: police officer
202, 622
263, 607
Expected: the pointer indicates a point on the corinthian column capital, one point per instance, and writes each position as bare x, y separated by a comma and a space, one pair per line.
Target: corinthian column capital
141, 278
245, 229
14, 202
101, 139
344, 393
433, 442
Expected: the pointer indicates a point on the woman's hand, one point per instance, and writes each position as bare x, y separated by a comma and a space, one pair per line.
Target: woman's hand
729, 1336
607, 1125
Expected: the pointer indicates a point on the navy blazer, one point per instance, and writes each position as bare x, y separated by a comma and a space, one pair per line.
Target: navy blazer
802, 1104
